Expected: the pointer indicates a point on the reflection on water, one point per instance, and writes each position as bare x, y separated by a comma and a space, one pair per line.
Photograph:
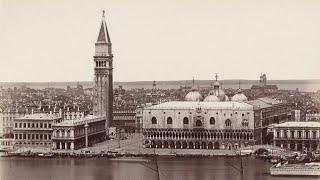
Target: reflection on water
178, 169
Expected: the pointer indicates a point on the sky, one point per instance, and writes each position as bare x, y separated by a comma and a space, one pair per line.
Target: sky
53, 40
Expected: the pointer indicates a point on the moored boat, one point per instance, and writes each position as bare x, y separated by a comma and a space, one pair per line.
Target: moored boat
130, 159
307, 169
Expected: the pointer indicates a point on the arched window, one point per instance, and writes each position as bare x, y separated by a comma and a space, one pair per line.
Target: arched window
228, 123
212, 121
154, 120
245, 123
185, 120
169, 120
198, 123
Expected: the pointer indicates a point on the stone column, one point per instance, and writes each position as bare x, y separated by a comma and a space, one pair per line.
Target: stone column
281, 145
288, 145
60, 145
72, 146
54, 145
296, 146
86, 134
72, 133
65, 145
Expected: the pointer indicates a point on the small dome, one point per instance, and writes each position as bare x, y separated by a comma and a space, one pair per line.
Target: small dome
211, 98
216, 83
193, 96
239, 97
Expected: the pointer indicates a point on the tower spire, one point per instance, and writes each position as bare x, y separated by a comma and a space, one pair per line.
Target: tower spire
103, 33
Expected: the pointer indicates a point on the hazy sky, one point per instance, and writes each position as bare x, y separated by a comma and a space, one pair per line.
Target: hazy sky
42, 40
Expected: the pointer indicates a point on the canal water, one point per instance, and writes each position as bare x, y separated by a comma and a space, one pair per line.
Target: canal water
213, 168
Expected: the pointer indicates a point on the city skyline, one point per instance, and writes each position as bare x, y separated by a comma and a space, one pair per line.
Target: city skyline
54, 40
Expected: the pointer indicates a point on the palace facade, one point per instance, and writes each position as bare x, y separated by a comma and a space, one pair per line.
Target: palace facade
78, 132
34, 130
297, 135
199, 125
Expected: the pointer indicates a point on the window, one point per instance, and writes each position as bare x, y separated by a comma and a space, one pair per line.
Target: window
228, 123
242, 114
285, 134
24, 125
212, 121
314, 134
49, 125
307, 135
185, 120
292, 134
32, 125
299, 134
41, 125
20, 125
278, 134
198, 123
245, 123
28, 125
154, 120
37, 125
169, 120
15, 125
45, 125
49, 136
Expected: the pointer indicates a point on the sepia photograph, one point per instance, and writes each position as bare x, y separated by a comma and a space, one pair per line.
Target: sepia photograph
159, 90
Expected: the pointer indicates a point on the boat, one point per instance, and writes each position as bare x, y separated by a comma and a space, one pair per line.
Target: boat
306, 169
131, 159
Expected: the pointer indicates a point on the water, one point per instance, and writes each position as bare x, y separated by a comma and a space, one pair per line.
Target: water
216, 168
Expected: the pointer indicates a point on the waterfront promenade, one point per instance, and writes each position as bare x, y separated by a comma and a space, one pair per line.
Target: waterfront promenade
132, 145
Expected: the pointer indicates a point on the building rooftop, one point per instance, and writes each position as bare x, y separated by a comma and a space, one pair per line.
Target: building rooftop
261, 103
40, 116
299, 124
202, 104
75, 122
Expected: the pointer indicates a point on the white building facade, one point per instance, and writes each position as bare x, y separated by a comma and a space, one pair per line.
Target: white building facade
297, 135
199, 125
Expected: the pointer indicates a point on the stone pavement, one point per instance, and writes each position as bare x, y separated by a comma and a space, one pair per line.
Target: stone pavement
133, 145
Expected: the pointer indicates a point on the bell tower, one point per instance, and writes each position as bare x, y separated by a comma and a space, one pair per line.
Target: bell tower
103, 80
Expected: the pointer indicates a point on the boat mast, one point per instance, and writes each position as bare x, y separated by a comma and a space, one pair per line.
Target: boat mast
156, 161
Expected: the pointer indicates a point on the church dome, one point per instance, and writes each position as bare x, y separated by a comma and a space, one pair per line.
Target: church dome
239, 97
193, 96
211, 98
